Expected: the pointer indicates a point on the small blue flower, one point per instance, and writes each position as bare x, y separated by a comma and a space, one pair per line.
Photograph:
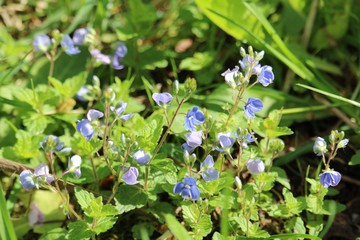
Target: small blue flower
68, 45
74, 165
83, 91
94, 114
255, 166
80, 35
231, 76
209, 172
266, 76
249, 63
253, 105
130, 175
27, 180
100, 57
51, 143
119, 54
162, 99
319, 146
36, 217
187, 188
141, 157
226, 142
119, 111
330, 178
41, 43
194, 140
85, 128
42, 174
194, 117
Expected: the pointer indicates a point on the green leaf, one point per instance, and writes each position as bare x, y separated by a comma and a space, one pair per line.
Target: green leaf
27, 144
265, 181
57, 233
149, 136
281, 177
84, 198
71, 85
79, 230
163, 171
35, 122
295, 225
129, 198
199, 222
197, 62
355, 159
176, 228
103, 224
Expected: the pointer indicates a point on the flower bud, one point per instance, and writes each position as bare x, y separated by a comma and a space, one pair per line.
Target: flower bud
238, 182
242, 52
319, 146
176, 86
343, 143
259, 56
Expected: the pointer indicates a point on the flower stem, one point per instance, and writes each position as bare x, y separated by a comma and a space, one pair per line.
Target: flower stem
162, 140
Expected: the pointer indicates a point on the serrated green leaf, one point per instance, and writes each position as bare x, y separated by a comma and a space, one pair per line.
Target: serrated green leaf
129, 198
149, 136
197, 62
70, 86
198, 221
84, 198
79, 230
27, 144
36, 123
103, 224
265, 181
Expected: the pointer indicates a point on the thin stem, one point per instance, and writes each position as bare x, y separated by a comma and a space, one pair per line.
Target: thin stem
94, 169
235, 106
162, 140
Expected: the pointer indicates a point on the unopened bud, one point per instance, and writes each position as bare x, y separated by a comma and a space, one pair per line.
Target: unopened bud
238, 182
242, 52
176, 86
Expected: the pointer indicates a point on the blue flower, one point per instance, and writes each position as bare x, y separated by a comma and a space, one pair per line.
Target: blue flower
249, 63
94, 114
226, 142
41, 43
187, 188
80, 35
51, 143
84, 126
194, 117
141, 157
319, 146
118, 111
119, 54
68, 45
130, 175
266, 76
209, 173
27, 180
74, 164
194, 140
100, 57
81, 94
255, 166
42, 174
162, 99
330, 178
36, 217
231, 76
253, 105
